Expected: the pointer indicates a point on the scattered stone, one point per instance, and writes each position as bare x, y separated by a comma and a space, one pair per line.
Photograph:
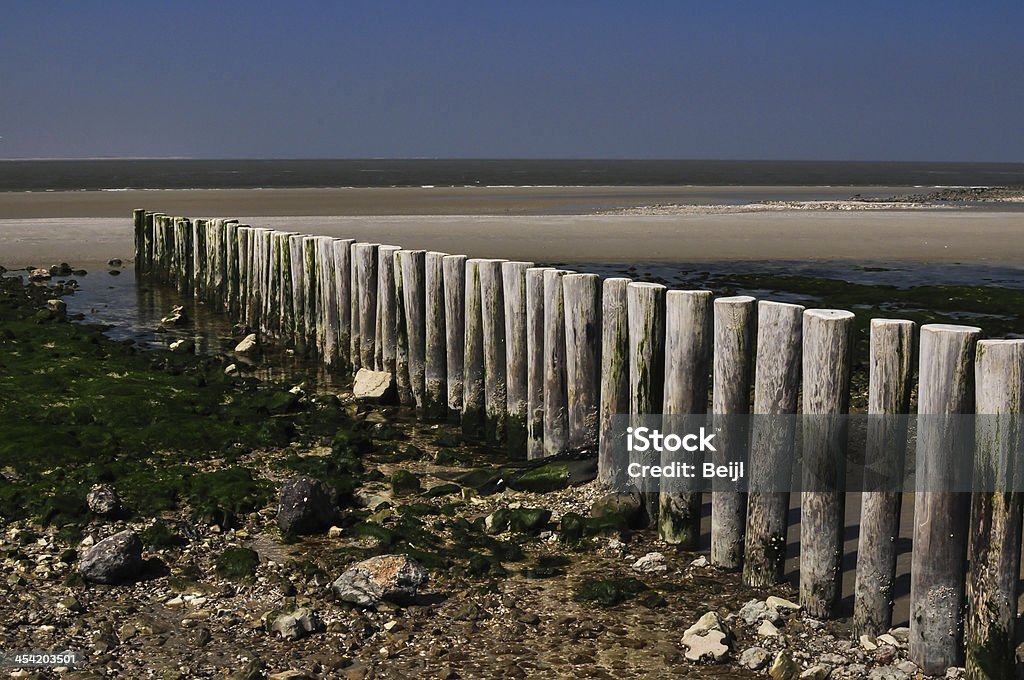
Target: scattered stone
393, 578
335, 532
39, 275
374, 386
627, 505
248, 344
651, 563
103, 500
756, 611
784, 668
113, 560
298, 624
305, 506
901, 633
58, 309
183, 346
815, 673
884, 655
707, 641
701, 562
231, 369
62, 269
908, 667
778, 603
115, 262
767, 629
290, 675
755, 658
868, 643
887, 639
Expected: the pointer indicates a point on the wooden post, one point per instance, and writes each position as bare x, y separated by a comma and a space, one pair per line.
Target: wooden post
688, 335
776, 386
297, 253
996, 512
342, 250
513, 283
311, 285
258, 279
890, 376
219, 264
147, 243
139, 224
556, 398
436, 370
413, 264
939, 560
245, 290
473, 355
735, 326
281, 303
454, 328
365, 266
492, 309
198, 258
646, 319
827, 353
231, 268
614, 381
327, 298
386, 350
582, 294
535, 361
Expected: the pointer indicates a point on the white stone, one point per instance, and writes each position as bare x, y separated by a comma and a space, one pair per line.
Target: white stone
247, 344
650, 563
767, 629
781, 603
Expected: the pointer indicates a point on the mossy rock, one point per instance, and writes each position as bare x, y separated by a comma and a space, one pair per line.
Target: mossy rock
442, 490
547, 566
574, 527
609, 592
404, 483
551, 477
236, 564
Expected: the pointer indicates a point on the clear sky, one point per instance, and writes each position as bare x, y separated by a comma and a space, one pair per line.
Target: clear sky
825, 79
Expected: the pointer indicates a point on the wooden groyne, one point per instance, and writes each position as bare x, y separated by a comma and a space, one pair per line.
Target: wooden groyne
542, 361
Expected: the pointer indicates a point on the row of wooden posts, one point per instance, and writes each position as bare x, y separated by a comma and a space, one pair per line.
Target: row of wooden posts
541, 360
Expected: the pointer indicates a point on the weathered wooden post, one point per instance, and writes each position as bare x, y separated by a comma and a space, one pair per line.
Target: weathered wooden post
827, 354
327, 297
688, 336
535, 361
735, 327
939, 560
297, 253
996, 512
139, 224
413, 264
310, 288
365, 267
582, 296
473, 354
614, 382
183, 256
245, 290
556, 399
436, 369
231, 262
646, 319
281, 302
492, 317
890, 381
386, 350
157, 250
258, 241
454, 328
513, 283
147, 243
342, 250
198, 258
776, 386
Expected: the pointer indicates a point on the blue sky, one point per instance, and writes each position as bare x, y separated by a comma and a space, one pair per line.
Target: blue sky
735, 80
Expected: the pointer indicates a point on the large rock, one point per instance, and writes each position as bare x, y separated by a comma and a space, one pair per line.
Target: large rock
374, 386
248, 344
756, 611
103, 500
306, 506
755, 658
627, 505
386, 577
784, 667
113, 560
708, 640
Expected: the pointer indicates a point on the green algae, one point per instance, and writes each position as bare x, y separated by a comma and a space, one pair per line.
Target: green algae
236, 564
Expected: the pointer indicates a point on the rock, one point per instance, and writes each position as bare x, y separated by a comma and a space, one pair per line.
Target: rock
887, 673
868, 643
908, 667
393, 578
650, 563
700, 563
62, 269
627, 505
815, 673
778, 603
290, 675
884, 655
248, 344
767, 629
58, 309
39, 275
115, 262
901, 634
231, 369
756, 611
707, 641
305, 506
755, 658
113, 560
335, 532
183, 346
784, 668
176, 317
103, 500
374, 386
298, 624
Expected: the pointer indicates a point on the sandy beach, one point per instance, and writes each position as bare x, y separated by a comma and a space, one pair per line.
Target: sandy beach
517, 223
